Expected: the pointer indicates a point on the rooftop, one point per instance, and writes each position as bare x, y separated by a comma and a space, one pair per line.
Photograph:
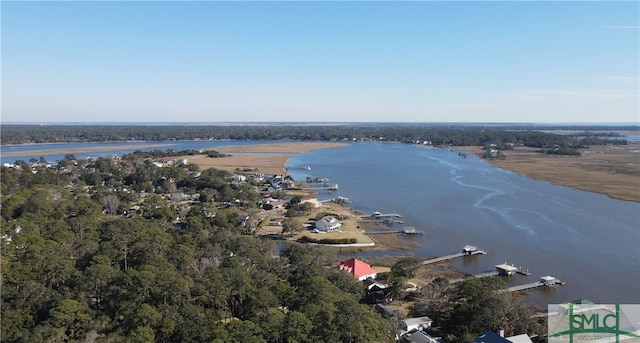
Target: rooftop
506, 267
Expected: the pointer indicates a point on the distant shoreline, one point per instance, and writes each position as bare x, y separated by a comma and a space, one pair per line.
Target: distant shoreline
75, 150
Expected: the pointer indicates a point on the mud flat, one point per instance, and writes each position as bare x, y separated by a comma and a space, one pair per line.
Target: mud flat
613, 170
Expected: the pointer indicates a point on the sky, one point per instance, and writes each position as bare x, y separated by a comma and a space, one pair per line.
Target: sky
361, 61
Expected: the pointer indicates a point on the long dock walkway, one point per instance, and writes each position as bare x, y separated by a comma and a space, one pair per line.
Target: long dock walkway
533, 285
476, 276
403, 232
452, 256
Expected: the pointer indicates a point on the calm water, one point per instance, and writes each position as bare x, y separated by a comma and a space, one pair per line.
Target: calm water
117, 148
588, 240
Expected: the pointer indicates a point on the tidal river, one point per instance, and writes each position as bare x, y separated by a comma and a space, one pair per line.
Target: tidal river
589, 240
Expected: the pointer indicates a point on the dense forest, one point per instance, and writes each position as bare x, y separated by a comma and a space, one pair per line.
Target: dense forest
437, 134
121, 250
80, 262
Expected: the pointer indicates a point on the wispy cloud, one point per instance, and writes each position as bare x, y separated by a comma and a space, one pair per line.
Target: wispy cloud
623, 27
626, 79
536, 94
617, 78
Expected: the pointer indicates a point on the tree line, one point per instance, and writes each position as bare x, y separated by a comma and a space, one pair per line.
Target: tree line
437, 134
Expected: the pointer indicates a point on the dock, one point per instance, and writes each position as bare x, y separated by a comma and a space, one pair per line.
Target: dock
466, 251
406, 231
545, 281
507, 270
501, 270
384, 218
476, 276
322, 188
382, 215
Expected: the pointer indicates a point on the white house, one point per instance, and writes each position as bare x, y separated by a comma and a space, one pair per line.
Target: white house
419, 323
239, 178
327, 223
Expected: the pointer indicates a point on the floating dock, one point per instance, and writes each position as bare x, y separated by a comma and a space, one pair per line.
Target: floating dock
468, 250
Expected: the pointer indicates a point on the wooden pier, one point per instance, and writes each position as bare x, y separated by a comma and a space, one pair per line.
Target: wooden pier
545, 281
385, 215
467, 251
476, 276
406, 231
322, 188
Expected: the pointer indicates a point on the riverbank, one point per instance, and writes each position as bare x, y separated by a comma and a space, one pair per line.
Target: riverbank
613, 170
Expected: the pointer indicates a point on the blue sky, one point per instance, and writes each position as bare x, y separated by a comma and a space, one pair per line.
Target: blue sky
320, 61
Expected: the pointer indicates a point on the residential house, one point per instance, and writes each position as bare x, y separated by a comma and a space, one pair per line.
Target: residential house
359, 269
489, 336
377, 292
287, 184
417, 336
419, 323
386, 312
328, 223
239, 178
372, 285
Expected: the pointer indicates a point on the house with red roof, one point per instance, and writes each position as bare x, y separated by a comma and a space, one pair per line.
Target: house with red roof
359, 269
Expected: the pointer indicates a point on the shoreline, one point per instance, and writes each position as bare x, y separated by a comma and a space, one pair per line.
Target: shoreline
610, 170
613, 171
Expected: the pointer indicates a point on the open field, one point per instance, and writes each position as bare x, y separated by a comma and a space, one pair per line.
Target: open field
613, 170
268, 158
267, 164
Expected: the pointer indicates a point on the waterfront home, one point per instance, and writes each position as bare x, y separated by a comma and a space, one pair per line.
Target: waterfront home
359, 269
328, 223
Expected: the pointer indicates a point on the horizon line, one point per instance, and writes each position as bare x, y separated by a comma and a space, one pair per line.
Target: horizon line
310, 123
